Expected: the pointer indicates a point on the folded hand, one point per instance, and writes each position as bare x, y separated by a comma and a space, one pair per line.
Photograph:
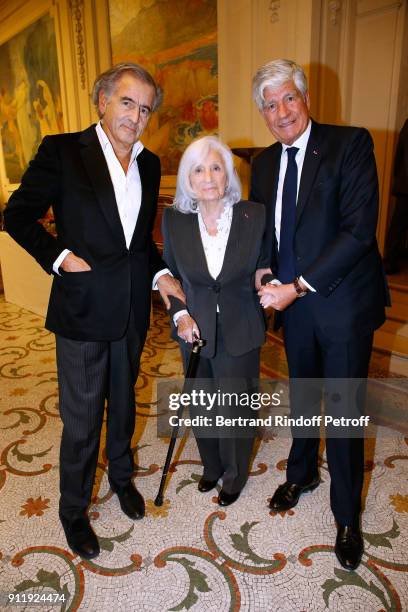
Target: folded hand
187, 328
278, 297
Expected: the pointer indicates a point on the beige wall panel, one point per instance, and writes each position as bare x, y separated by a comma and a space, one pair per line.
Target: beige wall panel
328, 107
250, 34
360, 76
235, 105
234, 71
301, 15
374, 85
373, 70
25, 282
272, 39
285, 29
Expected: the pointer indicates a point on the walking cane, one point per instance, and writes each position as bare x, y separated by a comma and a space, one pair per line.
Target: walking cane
191, 370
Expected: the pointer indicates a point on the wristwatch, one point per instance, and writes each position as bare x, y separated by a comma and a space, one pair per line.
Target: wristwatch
300, 292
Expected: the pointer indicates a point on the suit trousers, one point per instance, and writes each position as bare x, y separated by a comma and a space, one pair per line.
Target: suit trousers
226, 456
88, 374
312, 354
395, 247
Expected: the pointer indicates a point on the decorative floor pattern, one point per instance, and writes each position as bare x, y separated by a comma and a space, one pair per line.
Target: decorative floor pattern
189, 554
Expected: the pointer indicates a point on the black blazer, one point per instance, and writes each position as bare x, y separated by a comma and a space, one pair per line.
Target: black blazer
241, 315
70, 173
335, 244
400, 183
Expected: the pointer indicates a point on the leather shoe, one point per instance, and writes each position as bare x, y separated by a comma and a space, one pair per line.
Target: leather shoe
226, 499
287, 495
205, 485
349, 546
81, 537
131, 502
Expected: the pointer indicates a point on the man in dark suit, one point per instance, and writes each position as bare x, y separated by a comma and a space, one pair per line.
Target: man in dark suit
396, 243
103, 186
319, 185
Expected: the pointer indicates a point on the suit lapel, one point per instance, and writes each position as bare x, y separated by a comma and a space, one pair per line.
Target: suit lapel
272, 178
271, 184
196, 245
144, 216
98, 172
231, 251
313, 156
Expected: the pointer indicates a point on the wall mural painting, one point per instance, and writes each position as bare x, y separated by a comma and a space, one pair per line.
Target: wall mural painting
176, 40
30, 97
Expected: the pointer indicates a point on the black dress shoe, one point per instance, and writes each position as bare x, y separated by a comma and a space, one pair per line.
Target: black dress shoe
287, 495
131, 502
349, 546
80, 537
206, 485
226, 499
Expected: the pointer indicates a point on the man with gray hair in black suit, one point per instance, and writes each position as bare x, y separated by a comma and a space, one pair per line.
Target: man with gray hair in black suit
319, 185
103, 186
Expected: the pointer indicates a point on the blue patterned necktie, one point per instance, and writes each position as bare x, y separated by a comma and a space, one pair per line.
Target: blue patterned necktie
286, 257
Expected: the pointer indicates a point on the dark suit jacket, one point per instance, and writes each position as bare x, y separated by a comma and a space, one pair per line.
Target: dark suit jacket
335, 245
241, 316
400, 183
70, 173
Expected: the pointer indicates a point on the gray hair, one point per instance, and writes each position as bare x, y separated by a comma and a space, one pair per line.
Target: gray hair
275, 74
185, 200
107, 80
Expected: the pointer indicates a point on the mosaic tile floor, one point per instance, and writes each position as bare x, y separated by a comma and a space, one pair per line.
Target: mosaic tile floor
189, 554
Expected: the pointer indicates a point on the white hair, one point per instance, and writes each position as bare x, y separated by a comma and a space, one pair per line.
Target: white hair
186, 200
275, 74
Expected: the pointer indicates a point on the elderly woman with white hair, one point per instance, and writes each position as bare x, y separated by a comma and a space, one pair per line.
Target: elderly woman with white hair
212, 242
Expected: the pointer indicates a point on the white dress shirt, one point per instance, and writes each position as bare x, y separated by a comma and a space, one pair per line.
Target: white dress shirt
127, 186
301, 144
128, 191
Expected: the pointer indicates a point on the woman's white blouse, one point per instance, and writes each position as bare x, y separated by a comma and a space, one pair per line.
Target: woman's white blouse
215, 246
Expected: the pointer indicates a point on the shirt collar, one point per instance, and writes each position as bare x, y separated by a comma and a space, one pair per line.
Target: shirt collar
105, 142
301, 142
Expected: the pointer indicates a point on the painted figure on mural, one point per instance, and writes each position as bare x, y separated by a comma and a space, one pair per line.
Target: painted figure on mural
30, 99
177, 42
